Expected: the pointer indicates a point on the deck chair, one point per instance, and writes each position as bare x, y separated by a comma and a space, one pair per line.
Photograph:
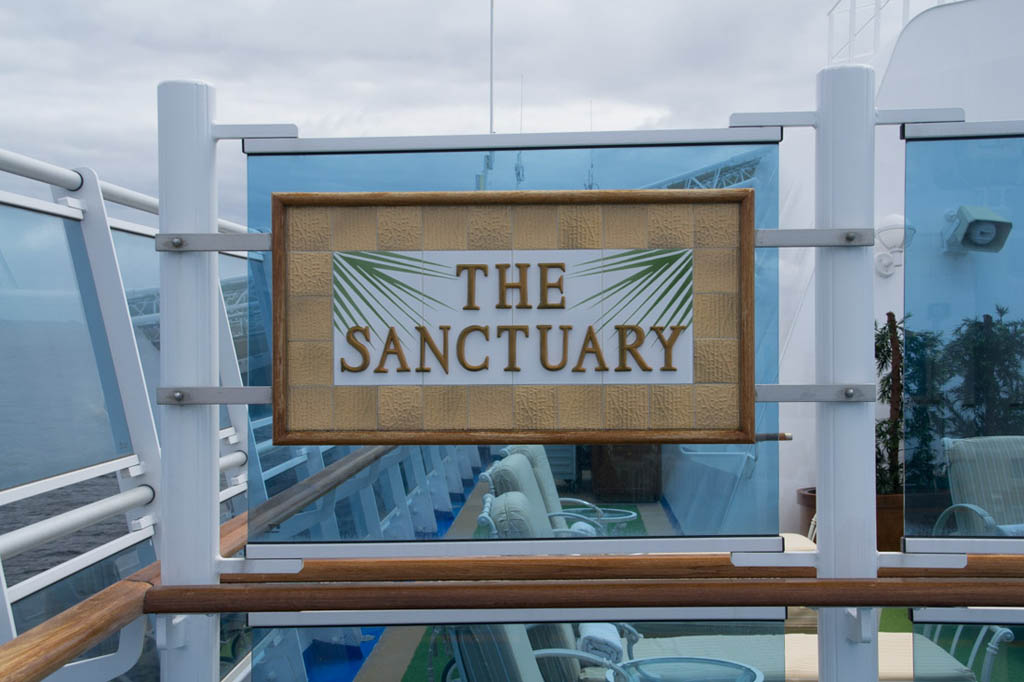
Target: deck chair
503, 653
986, 481
542, 652
515, 473
549, 492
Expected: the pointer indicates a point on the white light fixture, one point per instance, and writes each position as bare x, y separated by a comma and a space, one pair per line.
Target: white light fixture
891, 238
975, 228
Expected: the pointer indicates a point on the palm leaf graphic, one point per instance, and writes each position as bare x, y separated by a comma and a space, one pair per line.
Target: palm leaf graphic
642, 286
367, 292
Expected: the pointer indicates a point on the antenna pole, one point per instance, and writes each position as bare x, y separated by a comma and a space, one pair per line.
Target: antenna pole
491, 126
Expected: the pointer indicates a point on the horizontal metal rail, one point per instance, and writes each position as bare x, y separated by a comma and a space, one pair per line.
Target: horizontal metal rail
233, 459
69, 478
55, 527
40, 206
33, 169
440, 143
86, 559
256, 241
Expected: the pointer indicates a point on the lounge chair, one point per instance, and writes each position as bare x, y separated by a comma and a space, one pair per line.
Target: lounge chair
986, 481
538, 459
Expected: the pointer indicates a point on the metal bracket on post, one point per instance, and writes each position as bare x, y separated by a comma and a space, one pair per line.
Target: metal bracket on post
900, 560
170, 631
809, 119
241, 131
774, 559
860, 623
813, 237
215, 395
182, 243
814, 393
237, 565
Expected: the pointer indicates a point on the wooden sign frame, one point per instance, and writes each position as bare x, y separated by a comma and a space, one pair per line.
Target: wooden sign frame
723, 250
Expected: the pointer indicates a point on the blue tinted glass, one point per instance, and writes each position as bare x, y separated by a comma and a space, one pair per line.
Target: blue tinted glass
61, 410
967, 652
964, 387
675, 490
673, 652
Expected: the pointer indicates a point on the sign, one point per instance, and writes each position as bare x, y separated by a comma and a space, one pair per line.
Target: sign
501, 317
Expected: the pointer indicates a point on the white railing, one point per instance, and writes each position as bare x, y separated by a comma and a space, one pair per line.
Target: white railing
851, 22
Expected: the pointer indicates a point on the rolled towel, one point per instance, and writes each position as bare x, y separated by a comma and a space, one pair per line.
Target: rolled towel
584, 528
600, 639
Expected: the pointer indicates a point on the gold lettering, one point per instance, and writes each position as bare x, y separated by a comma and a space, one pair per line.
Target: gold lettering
504, 285
545, 285
667, 345
425, 341
472, 269
392, 346
630, 348
460, 347
591, 345
364, 353
512, 329
544, 329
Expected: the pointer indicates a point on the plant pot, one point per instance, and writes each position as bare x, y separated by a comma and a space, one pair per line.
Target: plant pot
888, 516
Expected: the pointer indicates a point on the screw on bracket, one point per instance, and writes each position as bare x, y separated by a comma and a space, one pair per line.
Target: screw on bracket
849, 393
850, 237
177, 242
178, 396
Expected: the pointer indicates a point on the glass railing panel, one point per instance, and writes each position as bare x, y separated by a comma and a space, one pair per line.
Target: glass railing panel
669, 651
964, 348
62, 409
140, 274
621, 491
62, 595
969, 652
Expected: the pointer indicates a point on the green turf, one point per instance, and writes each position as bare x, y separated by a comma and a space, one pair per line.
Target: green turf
417, 670
895, 620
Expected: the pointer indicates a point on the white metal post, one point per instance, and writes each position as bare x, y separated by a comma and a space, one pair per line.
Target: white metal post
7, 629
189, 327
844, 198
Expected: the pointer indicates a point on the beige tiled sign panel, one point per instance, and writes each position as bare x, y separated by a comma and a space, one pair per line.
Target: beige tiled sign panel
503, 317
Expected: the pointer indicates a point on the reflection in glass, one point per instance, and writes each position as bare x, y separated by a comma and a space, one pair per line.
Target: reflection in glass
964, 392
982, 653
530, 652
438, 492
62, 410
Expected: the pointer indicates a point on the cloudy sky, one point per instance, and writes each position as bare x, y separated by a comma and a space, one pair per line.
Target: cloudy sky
79, 79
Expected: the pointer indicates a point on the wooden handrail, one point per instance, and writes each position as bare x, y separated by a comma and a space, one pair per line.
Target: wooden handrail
45, 648
570, 594
299, 496
632, 567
